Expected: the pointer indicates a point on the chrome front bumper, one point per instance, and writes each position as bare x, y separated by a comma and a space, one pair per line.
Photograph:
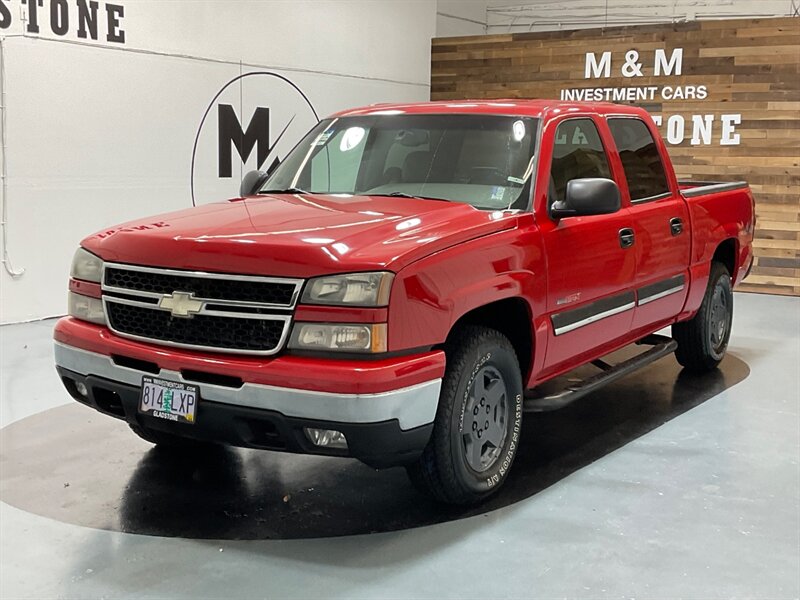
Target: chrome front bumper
412, 407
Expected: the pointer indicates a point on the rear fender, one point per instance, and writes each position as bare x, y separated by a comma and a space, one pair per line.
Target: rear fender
716, 218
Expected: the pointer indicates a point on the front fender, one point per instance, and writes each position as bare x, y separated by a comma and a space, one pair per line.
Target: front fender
431, 295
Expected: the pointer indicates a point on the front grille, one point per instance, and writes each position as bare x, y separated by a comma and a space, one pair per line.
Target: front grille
206, 331
204, 311
218, 287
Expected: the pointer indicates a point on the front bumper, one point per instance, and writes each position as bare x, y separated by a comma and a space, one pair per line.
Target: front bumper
383, 428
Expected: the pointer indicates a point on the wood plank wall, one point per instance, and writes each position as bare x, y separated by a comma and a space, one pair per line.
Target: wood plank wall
750, 67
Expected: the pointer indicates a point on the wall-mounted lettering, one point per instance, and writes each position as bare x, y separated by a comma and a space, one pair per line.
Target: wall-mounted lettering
83, 19
633, 67
230, 132
259, 117
699, 128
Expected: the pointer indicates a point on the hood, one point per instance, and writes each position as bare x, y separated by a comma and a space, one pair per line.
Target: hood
293, 235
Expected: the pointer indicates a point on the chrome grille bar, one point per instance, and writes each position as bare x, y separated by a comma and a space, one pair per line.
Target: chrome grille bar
218, 324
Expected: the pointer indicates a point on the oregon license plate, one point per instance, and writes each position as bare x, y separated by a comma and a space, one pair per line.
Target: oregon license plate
168, 400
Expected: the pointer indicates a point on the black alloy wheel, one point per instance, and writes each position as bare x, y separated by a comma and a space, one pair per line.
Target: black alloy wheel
485, 419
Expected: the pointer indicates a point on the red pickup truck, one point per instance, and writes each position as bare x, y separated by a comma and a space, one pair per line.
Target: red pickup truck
396, 289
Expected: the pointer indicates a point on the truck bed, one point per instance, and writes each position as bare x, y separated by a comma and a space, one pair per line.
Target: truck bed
691, 188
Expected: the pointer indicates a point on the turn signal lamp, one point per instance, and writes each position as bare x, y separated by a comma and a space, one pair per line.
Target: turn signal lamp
340, 337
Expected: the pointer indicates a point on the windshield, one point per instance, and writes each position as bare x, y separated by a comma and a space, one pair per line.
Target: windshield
482, 160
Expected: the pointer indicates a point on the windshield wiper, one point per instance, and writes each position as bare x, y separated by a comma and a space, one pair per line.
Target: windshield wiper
404, 195
290, 190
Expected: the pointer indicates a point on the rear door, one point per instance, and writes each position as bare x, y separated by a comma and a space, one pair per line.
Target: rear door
660, 220
590, 272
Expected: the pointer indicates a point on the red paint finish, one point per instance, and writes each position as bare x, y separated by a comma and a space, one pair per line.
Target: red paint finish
292, 235
431, 295
340, 314
660, 255
85, 288
322, 375
449, 259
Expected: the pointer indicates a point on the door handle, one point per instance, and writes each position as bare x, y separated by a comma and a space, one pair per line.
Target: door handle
676, 226
626, 237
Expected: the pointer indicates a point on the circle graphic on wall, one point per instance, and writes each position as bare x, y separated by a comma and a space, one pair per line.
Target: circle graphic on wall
252, 122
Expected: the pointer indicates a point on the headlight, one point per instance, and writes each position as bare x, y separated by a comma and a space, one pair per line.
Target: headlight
354, 289
86, 308
343, 337
86, 266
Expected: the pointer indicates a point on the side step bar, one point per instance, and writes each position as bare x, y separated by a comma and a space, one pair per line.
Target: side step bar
662, 346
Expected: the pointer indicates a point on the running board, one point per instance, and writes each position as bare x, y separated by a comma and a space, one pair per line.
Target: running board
662, 346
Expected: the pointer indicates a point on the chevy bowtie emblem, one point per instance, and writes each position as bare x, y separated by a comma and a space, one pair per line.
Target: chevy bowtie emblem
182, 304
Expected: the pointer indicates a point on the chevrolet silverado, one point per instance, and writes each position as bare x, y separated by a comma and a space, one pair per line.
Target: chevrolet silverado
399, 285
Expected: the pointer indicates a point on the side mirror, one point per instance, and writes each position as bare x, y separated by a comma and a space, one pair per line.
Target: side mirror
590, 196
252, 182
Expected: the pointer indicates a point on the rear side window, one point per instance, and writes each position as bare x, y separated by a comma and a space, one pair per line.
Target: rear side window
577, 153
643, 166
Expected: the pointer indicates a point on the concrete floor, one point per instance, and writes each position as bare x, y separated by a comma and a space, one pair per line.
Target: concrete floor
698, 499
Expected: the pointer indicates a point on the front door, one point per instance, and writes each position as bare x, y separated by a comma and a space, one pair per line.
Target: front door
590, 271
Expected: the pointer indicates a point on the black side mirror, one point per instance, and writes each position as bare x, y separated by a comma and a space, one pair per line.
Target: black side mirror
590, 196
252, 182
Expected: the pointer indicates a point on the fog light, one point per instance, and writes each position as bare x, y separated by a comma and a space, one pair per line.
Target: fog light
327, 438
82, 390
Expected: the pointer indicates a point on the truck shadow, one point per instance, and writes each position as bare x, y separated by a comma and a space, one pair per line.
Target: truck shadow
93, 472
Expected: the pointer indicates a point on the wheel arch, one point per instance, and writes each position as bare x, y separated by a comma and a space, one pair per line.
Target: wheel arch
513, 318
727, 253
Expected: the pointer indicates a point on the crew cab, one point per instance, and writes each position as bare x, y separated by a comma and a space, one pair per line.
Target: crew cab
399, 286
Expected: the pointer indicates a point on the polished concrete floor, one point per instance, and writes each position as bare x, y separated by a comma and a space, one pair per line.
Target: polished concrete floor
660, 486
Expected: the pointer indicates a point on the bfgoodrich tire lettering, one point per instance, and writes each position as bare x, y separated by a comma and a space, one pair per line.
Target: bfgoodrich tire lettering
478, 422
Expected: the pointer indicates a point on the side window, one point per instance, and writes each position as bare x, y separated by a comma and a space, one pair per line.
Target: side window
577, 153
644, 169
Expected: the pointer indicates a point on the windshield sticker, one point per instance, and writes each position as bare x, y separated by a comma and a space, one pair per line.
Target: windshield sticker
323, 137
498, 192
352, 137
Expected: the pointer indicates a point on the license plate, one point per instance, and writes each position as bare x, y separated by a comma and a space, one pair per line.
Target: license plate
168, 400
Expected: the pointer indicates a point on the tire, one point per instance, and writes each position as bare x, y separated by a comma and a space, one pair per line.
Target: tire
703, 340
478, 421
167, 440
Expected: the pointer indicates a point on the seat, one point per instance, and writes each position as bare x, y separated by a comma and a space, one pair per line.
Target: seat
392, 175
417, 167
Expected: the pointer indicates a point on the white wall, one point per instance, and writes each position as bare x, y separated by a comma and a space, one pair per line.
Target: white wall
95, 132
460, 17
98, 132
513, 16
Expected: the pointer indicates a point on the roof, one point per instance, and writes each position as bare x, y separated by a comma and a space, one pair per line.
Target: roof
531, 108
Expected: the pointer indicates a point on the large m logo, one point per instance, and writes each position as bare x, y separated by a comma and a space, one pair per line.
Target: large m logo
230, 132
